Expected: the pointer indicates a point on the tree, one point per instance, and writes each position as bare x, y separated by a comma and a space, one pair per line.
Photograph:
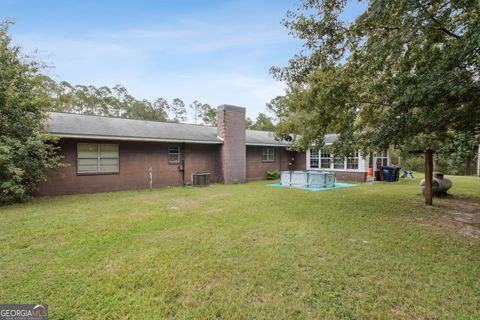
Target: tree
146, 110
248, 123
478, 161
263, 123
177, 111
103, 101
195, 106
278, 106
402, 70
157, 110
203, 112
460, 151
208, 114
25, 150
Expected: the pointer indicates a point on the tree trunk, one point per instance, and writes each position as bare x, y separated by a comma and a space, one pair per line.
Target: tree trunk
428, 192
478, 161
468, 166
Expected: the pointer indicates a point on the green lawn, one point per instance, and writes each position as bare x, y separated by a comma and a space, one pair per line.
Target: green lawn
243, 251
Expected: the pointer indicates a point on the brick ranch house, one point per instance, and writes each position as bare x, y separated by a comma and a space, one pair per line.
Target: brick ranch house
112, 154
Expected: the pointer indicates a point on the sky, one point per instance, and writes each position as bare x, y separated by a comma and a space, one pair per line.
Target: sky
213, 51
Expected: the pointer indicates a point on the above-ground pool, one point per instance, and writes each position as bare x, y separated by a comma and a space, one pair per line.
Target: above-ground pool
308, 179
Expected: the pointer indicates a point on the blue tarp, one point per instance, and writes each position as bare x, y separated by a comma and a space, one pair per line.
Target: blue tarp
338, 185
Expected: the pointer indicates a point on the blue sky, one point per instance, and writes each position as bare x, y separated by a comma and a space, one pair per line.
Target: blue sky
213, 51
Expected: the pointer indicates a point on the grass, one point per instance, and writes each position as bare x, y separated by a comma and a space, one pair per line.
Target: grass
242, 251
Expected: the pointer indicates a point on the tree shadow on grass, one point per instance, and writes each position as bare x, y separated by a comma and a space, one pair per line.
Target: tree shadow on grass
462, 215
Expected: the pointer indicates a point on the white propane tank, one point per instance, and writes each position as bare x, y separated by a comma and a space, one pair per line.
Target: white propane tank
440, 183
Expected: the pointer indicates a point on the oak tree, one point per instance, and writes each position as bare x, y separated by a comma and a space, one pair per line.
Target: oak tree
402, 70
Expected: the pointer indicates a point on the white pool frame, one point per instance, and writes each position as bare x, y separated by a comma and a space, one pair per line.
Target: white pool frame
314, 179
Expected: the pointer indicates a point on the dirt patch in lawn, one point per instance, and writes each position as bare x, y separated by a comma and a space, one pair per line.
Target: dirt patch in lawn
462, 217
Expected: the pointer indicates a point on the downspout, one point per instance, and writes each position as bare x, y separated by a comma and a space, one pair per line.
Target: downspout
182, 162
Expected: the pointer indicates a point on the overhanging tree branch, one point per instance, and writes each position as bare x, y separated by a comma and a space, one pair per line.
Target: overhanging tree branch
440, 27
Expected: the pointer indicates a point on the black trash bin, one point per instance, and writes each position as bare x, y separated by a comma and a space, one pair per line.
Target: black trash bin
388, 173
397, 173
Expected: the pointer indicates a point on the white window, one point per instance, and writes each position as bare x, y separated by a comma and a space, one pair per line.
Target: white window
314, 158
338, 163
382, 159
97, 158
267, 154
325, 160
173, 154
352, 161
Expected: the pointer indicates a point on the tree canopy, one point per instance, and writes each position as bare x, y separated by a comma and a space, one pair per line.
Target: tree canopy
25, 150
402, 70
117, 102
263, 123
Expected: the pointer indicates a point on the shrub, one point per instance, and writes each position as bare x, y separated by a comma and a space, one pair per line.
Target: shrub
25, 150
272, 175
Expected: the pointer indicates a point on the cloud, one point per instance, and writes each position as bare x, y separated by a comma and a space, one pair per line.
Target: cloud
214, 62
194, 37
251, 92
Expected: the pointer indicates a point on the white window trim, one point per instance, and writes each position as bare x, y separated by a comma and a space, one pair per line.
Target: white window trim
309, 160
361, 161
332, 165
353, 157
320, 158
376, 157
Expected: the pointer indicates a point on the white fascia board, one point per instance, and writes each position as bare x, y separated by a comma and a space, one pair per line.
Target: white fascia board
266, 144
325, 144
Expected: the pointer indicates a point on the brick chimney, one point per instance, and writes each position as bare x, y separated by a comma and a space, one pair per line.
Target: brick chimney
231, 128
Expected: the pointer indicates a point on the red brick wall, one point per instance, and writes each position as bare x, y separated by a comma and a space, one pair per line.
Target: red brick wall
300, 161
135, 160
351, 176
202, 158
137, 157
256, 169
231, 128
